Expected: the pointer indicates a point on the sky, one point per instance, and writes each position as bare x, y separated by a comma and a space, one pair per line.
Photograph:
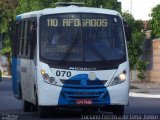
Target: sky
140, 9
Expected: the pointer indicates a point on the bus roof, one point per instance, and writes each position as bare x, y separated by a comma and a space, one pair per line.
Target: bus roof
68, 9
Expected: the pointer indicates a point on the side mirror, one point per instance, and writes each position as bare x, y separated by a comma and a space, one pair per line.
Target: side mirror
128, 31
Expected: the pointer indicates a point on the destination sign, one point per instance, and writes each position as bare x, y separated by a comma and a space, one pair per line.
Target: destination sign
53, 22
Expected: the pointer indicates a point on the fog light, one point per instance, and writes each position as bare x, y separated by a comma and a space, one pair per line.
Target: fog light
52, 80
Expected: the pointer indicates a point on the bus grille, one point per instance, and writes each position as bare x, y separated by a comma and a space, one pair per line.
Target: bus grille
77, 83
83, 94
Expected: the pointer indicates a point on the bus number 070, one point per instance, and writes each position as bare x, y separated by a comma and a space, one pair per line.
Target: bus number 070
63, 73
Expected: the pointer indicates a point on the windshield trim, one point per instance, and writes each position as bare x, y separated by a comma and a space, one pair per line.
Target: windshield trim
103, 65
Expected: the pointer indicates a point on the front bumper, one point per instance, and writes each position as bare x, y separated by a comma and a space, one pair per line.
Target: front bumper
50, 95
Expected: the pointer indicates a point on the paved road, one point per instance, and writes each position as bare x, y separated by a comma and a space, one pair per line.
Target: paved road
10, 107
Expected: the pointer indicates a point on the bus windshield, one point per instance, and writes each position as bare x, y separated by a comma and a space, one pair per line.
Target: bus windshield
81, 37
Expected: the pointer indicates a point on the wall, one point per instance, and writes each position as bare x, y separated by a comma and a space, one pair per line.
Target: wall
152, 54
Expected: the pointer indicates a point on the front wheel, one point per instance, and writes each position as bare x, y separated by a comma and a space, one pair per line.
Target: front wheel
43, 112
27, 107
118, 110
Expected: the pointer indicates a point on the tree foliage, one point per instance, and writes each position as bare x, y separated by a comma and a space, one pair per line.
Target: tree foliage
109, 4
155, 21
141, 67
135, 46
6, 17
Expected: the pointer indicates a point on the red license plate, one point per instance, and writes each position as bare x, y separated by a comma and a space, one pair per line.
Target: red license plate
84, 102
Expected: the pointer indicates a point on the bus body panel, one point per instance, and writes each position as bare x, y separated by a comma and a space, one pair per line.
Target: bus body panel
25, 79
14, 77
28, 79
69, 9
16, 83
119, 94
106, 95
49, 96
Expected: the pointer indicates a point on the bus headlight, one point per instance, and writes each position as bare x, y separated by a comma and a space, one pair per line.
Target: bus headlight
47, 78
119, 79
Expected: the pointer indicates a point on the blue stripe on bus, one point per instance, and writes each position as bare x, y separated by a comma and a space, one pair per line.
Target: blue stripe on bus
16, 77
18, 17
68, 96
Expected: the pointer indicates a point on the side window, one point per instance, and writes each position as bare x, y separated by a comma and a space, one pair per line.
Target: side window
32, 38
30, 33
21, 39
25, 39
15, 40
27, 47
18, 37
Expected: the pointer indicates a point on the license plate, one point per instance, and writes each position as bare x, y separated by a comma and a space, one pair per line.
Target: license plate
84, 102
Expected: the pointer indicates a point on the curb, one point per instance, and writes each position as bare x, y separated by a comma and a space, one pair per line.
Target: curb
4, 76
131, 94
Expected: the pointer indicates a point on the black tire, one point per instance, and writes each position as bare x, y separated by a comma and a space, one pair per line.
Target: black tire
27, 107
20, 90
35, 106
42, 111
118, 110
88, 110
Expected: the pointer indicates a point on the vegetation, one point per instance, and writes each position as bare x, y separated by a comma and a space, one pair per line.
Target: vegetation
155, 21
135, 46
141, 67
6, 17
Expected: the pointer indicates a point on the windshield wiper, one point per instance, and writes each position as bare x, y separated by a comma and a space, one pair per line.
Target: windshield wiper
67, 54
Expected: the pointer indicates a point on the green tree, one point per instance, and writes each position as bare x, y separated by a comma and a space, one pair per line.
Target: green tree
135, 46
6, 16
155, 21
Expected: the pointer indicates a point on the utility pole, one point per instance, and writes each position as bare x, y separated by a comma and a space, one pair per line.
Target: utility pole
131, 6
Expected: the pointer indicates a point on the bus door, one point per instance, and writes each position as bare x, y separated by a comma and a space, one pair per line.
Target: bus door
33, 54
25, 62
